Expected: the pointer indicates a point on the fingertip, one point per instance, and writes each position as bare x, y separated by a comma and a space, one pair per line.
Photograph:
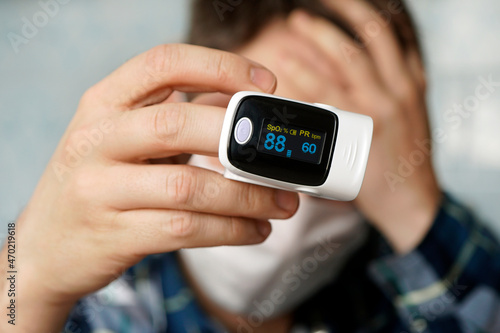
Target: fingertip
287, 201
299, 17
263, 78
264, 228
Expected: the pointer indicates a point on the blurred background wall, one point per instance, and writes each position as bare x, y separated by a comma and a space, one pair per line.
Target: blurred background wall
42, 80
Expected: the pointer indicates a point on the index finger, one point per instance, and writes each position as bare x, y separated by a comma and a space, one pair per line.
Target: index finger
152, 76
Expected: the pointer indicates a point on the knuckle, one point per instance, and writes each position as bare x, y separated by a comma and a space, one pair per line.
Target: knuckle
90, 95
83, 193
162, 58
249, 198
408, 93
233, 230
82, 187
181, 187
210, 189
236, 229
77, 146
182, 225
72, 139
167, 123
221, 64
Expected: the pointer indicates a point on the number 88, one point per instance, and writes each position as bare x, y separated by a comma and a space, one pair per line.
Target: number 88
280, 143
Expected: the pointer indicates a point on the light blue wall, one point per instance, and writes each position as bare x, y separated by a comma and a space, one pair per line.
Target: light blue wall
461, 42
40, 85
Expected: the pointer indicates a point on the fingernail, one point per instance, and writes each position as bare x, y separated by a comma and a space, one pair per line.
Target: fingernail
263, 78
286, 200
264, 228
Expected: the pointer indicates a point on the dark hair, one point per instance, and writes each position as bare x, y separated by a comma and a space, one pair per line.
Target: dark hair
227, 25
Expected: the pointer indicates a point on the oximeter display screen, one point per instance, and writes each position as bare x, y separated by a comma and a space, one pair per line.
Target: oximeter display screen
283, 140
291, 141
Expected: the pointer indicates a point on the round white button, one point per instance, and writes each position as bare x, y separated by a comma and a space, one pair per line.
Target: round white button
243, 130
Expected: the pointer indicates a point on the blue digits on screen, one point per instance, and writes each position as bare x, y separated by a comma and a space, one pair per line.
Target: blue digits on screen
280, 143
269, 144
309, 148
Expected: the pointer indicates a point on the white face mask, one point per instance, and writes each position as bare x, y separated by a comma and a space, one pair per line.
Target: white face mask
300, 256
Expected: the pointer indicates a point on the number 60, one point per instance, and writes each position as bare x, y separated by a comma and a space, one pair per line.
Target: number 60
309, 148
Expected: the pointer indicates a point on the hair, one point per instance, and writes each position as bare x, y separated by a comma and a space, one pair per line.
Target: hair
220, 25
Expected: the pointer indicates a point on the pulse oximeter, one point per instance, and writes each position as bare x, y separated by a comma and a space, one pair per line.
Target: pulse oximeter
291, 145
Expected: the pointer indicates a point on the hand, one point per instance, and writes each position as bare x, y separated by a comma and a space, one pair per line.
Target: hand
316, 61
102, 205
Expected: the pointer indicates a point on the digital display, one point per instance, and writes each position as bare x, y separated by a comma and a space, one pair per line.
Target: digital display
291, 141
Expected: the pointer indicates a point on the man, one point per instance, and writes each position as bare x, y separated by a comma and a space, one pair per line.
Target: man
100, 209
317, 61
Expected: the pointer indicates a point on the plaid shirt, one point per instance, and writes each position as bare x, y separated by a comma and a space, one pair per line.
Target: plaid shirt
450, 283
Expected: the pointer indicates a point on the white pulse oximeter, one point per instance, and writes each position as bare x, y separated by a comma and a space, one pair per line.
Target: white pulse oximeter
295, 146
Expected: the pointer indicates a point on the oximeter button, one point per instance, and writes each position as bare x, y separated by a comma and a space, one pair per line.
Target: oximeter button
243, 131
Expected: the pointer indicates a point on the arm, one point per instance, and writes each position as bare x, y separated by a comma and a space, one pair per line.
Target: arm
104, 203
450, 282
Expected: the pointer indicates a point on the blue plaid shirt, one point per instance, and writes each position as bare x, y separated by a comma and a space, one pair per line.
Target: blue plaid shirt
450, 283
